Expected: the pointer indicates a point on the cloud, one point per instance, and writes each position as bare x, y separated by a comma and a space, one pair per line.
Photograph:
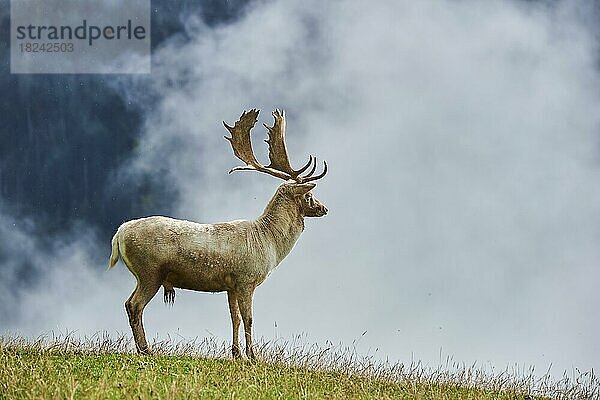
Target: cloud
55, 283
462, 140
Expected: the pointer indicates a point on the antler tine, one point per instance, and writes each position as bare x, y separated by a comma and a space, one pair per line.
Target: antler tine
314, 178
312, 170
242, 146
305, 167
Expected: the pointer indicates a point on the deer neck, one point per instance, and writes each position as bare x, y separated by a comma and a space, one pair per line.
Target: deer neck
282, 224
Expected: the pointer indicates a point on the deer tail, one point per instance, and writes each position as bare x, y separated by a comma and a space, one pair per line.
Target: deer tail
114, 255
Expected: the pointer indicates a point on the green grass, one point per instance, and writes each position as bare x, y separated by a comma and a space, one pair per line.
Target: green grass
104, 368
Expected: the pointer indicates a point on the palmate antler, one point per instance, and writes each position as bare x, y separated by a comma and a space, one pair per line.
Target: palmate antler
279, 165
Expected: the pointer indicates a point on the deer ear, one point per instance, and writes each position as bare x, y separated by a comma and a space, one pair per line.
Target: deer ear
303, 188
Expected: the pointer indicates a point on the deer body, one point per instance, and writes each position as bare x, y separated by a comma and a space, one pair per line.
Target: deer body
208, 257
235, 256
203, 257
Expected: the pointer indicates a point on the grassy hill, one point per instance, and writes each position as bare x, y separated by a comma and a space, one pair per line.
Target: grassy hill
105, 368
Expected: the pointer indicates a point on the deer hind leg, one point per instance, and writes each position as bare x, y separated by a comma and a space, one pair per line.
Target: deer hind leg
141, 296
245, 304
234, 310
168, 293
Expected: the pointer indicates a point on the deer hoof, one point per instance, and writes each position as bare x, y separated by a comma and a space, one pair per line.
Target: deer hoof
236, 353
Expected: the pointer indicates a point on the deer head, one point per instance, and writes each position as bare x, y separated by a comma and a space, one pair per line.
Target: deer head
297, 186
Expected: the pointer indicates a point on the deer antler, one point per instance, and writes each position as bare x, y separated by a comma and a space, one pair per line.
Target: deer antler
279, 165
278, 154
242, 146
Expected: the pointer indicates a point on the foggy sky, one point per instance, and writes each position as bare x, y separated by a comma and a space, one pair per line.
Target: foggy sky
462, 140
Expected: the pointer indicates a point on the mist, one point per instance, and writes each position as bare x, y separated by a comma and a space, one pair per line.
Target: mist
462, 140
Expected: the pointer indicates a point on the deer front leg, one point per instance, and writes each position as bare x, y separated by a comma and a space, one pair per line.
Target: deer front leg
245, 304
234, 310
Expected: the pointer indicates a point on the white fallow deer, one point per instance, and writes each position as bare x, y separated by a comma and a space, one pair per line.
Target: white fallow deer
234, 256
